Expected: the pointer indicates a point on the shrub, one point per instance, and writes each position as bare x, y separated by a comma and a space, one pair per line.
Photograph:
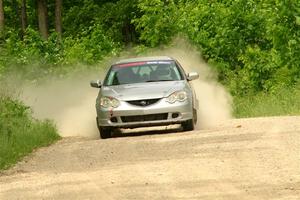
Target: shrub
20, 133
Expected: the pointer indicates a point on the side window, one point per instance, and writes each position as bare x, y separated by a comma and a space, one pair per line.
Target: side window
111, 77
175, 73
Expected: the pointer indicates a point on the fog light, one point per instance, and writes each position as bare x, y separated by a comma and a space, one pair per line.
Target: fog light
114, 119
175, 115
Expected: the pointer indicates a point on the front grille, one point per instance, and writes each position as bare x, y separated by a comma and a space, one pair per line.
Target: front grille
143, 118
145, 102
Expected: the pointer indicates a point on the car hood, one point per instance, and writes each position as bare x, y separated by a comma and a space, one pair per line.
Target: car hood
152, 90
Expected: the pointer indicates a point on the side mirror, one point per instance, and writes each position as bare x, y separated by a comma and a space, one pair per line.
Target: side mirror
192, 76
96, 84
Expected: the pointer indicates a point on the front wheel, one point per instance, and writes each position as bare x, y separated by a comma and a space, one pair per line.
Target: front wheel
188, 125
105, 132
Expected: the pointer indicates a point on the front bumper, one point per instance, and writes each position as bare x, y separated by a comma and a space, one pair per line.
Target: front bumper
132, 116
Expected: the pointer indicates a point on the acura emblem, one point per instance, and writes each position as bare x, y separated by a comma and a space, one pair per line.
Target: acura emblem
143, 103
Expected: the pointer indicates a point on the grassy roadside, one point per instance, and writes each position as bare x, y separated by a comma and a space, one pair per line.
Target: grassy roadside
283, 102
20, 134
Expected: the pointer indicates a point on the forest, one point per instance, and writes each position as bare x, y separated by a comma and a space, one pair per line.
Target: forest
254, 45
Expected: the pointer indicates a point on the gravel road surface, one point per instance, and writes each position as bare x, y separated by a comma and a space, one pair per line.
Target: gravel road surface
242, 159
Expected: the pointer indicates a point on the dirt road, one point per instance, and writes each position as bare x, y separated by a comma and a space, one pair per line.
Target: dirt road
242, 159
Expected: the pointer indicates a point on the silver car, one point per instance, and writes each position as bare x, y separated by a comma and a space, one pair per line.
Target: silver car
148, 91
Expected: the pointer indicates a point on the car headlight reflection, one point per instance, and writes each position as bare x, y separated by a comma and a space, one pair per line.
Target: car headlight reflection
177, 96
109, 102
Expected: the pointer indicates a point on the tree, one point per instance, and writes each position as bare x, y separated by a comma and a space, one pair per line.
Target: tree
58, 20
23, 17
43, 18
1, 16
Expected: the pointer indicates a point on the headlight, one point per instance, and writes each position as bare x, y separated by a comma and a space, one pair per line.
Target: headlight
108, 102
177, 96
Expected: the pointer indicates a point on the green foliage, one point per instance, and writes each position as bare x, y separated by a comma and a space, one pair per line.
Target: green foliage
254, 45
113, 16
284, 101
32, 47
91, 46
249, 42
258, 69
81, 16
158, 21
20, 133
33, 55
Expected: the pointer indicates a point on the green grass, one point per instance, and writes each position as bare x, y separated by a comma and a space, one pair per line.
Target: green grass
20, 134
283, 102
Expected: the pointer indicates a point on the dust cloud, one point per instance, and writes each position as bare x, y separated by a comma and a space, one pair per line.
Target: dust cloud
70, 102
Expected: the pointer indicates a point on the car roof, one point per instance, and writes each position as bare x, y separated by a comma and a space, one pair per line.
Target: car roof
141, 59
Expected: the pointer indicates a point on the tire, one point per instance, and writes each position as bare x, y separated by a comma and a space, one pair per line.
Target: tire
105, 132
188, 125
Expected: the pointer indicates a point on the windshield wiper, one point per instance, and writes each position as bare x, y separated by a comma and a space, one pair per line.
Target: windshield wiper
158, 80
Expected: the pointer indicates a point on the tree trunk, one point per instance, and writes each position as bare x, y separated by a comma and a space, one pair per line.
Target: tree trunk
1, 16
43, 18
58, 19
16, 18
23, 17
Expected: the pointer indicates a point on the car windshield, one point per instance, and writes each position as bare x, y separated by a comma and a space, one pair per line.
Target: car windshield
141, 72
